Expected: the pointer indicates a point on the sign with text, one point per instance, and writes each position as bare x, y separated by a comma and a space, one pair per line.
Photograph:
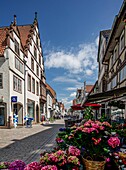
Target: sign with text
13, 98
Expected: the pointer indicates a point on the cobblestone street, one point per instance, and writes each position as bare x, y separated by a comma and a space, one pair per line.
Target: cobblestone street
27, 143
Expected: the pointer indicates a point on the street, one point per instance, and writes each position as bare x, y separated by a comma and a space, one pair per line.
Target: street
26, 144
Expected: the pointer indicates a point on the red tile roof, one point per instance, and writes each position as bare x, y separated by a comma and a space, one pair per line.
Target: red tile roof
24, 32
89, 88
3, 40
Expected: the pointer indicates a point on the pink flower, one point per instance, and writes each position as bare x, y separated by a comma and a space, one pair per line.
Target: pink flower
72, 150
107, 159
33, 166
73, 159
113, 142
49, 167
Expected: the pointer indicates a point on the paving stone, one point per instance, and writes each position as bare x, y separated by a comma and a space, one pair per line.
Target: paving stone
28, 143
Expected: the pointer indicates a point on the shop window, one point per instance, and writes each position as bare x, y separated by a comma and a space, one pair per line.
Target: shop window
29, 82
30, 108
1, 80
16, 45
33, 85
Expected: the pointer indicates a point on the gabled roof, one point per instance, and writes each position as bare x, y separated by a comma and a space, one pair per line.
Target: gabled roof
24, 32
89, 88
3, 40
48, 87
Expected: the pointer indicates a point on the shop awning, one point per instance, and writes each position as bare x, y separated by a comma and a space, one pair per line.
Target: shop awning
106, 96
77, 107
93, 105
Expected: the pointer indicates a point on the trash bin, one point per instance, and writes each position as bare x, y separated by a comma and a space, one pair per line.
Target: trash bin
29, 122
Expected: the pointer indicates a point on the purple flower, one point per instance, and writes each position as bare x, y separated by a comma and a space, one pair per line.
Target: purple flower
17, 164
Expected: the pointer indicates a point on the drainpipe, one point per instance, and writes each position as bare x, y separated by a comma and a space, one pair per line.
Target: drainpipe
25, 70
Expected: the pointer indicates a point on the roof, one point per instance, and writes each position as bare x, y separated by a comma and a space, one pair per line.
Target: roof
3, 40
24, 32
89, 88
105, 33
48, 87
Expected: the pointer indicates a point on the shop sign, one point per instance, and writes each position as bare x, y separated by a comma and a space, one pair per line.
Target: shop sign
13, 98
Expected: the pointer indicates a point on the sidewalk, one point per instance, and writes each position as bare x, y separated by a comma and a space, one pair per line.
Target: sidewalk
27, 143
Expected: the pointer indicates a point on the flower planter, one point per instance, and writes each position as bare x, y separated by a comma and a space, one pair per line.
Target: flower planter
93, 165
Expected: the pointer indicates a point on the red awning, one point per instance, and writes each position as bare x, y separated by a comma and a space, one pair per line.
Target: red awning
77, 107
92, 105
95, 106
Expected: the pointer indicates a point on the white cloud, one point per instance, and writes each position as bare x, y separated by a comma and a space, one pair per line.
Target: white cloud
89, 72
73, 94
71, 88
77, 62
67, 102
63, 79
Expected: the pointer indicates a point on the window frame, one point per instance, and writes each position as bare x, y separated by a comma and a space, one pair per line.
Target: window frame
33, 85
16, 47
29, 83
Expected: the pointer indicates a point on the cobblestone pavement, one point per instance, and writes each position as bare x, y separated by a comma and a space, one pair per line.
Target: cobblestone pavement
27, 143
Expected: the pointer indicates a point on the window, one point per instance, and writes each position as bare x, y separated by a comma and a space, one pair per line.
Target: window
17, 84
1, 80
29, 82
40, 59
32, 63
109, 86
37, 88
122, 43
114, 81
37, 40
37, 70
33, 85
35, 52
16, 44
18, 65
41, 75
123, 74
111, 60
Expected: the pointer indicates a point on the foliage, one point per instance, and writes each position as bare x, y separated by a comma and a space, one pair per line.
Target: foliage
93, 138
4, 165
88, 113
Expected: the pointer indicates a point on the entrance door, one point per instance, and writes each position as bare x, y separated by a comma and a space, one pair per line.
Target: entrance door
37, 113
2, 115
18, 110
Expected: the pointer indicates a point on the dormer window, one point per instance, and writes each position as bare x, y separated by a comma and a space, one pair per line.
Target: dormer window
16, 44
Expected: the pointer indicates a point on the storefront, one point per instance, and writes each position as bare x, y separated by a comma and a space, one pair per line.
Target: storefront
3, 114
31, 108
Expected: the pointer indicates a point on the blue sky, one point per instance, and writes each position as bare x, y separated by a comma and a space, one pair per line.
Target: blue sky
69, 31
